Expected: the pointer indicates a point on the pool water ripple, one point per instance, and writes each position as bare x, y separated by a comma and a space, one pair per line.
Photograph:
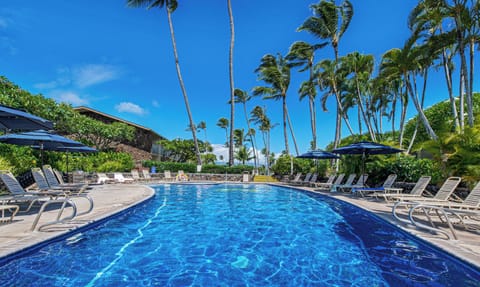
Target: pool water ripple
239, 235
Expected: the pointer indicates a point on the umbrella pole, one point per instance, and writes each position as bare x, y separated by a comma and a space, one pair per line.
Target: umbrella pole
67, 167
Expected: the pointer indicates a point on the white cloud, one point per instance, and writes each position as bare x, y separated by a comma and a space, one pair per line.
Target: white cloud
93, 74
69, 97
127, 107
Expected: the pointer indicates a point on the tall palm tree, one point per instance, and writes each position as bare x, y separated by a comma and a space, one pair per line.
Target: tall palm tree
223, 124
203, 126
330, 77
404, 63
360, 67
330, 23
275, 71
232, 85
302, 54
171, 6
243, 97
426, 19
259, 116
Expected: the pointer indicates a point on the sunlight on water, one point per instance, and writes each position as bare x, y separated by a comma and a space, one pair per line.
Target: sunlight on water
224, 235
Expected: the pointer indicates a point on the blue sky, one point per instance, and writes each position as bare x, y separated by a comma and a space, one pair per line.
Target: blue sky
116, 59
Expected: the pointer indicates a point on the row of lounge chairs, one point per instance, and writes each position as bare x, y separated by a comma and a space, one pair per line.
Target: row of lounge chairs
441, 212
48, 189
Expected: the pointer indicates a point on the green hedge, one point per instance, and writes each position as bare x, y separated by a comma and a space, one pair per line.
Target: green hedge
161, 166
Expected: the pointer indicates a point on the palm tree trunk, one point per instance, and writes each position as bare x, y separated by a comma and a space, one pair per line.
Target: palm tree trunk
403, 117
184, 91
393, 113
232, 86
285, 135
470, 89
292, 133
311, 100
338, 129
448, 79
311, 106
421, 114
340, 109
467, 90
251, 136
359, 119
360, 105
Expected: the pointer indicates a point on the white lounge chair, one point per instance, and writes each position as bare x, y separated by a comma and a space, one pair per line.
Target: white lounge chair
388, 183
329, 186
451, 213
390, 194
103, 178
167, 176
135, 175
348, 182
360, 183
118, 177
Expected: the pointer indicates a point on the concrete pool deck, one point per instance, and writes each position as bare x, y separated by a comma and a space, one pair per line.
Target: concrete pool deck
113, 198
108, 200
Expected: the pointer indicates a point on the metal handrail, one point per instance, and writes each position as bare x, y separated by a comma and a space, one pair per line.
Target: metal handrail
64, 202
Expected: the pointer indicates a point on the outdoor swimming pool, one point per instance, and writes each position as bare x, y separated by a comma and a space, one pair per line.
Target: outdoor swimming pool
239, 235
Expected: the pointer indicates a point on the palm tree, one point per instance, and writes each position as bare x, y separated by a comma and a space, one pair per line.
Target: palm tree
259, 116
242, 96
223, 123
171, 6
275, 71
404, 63
302, 54
330, 78
232, 92
238, 137
243, 154
330, 22
426, 19
361, 68
203, 126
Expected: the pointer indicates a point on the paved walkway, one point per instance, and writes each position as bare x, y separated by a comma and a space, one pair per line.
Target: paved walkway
467, 247
110, 199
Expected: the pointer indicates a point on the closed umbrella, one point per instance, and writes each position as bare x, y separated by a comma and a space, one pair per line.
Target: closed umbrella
17, 120
366, 148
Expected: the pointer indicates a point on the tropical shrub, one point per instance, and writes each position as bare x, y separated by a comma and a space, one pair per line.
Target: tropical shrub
20, 159
283, 164
161, 166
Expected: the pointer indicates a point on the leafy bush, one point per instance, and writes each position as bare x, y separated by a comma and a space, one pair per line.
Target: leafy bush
19, 159
161, 166
282, 165
5, 164
407, 168
110, 166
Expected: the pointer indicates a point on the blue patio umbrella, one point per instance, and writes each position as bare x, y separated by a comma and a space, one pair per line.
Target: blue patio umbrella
44, 140
17, 120
318, 154
366, 148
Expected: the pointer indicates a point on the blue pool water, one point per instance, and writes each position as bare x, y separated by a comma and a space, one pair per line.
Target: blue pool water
239, 235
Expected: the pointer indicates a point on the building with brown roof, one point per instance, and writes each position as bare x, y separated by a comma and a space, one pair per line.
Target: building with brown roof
144, 138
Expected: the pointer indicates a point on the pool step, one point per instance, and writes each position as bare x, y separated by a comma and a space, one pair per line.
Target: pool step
264, 178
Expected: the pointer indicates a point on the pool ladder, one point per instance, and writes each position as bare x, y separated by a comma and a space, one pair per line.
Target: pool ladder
65, 203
